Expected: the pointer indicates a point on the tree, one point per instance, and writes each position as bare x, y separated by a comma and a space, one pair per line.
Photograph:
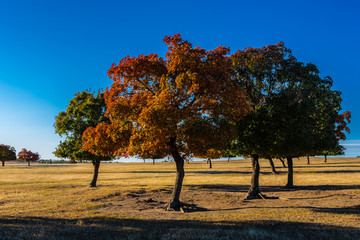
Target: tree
293, 109
28, 156
263, 72
159, 105
152, 156
85, 110
273, 169
7, 153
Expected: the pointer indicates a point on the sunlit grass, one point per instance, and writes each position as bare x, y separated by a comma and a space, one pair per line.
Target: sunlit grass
328, 193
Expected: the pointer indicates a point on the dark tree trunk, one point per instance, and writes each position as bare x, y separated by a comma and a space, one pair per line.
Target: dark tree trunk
96, 164
3, 163
228, 159
283, 163
28, 163
272, 166
153, 161
210, 163
144, 160
308, 160
290, 182
254, 191
174, 203
325, 158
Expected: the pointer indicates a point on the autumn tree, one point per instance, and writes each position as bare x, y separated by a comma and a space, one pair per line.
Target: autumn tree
85, 110
28, 156
7, 153
153, 156
159, 104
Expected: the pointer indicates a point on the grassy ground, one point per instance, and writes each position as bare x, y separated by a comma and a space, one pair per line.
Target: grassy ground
54, 202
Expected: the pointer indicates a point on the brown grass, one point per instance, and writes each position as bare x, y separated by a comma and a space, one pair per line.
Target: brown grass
54, 202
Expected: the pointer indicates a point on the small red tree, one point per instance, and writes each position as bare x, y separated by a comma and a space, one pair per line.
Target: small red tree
28, 156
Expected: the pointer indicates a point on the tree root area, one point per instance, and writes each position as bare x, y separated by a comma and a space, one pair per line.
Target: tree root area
154, 203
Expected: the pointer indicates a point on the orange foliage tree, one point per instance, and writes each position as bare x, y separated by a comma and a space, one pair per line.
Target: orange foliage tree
159, 106
28, 156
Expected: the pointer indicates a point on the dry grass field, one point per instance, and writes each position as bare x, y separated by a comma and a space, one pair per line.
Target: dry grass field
52, 201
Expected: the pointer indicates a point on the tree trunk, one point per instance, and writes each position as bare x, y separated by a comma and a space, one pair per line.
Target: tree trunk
210, 163
308, 160
290, 182
153, 161
174, 203
325, 158
96, 164
283, 163
28, 163
254, 191
3, 163
272, 166
144, 160
228, 159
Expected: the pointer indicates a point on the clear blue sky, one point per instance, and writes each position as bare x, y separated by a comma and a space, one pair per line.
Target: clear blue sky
50, 50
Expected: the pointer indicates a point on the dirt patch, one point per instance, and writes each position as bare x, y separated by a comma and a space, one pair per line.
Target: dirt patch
149, 203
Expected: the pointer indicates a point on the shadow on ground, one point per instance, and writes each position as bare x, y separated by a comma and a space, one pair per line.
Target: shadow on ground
96, 228
245, 188
344, 210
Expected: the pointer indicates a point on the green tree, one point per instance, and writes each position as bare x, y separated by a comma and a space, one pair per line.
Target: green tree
263, 72
85, 110
293, 109
7, 153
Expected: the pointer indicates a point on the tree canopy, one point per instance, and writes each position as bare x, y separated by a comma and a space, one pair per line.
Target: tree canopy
293, 110
28, 156
159, 105
84, 110
7, 153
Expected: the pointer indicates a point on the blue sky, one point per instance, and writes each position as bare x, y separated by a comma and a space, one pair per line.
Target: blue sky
50, 50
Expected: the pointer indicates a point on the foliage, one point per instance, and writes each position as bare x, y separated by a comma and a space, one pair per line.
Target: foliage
28, 156
84, 110
154, 100
7, 153
263, 72
159, 106
342, 122
293, 109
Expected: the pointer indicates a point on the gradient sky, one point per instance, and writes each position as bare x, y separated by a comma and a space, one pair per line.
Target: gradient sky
49, 50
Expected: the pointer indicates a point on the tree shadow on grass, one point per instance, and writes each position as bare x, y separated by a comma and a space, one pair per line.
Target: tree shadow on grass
197, 172
112, 228
337, 171
344, 210
245, 188
210, 172
328, 166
